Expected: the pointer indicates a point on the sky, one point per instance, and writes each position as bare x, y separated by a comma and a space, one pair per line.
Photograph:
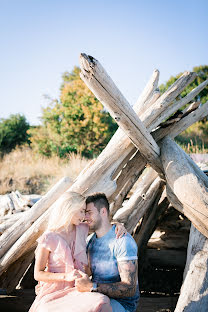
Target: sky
41, 39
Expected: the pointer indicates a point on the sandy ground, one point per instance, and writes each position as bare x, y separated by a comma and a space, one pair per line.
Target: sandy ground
21, 300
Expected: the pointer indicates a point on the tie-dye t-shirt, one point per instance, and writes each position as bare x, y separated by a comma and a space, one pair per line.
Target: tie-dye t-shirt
104, 254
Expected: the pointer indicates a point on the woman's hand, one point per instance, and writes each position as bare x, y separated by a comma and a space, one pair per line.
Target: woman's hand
72, 276
120, 230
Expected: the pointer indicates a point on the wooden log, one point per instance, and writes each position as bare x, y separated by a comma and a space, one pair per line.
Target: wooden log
194, 290
128, 176
139, 195
183, 124
7, 205
149, 94
8, 238
182, 208
151, 122
149, 222
110, 159
98, 81
190, 189
144, 205
10, 279
192, 107
25, 242
155, 96
151, 216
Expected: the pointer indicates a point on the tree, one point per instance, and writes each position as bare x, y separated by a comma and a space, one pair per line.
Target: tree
13, 132
76, 122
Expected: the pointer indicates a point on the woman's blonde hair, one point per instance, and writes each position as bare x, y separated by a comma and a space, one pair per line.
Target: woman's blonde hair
63, 210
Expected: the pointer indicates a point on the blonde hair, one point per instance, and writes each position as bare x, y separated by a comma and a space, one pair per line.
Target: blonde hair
63, 210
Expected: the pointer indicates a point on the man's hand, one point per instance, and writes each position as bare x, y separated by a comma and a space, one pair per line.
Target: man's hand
84, 283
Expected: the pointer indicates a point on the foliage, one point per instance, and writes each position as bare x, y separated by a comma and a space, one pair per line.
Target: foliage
195, 138
74, 123
13, 132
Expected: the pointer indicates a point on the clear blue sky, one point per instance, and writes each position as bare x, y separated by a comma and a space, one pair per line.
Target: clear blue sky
41, 39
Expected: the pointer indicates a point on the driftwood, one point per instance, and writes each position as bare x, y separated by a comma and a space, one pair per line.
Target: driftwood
194, 291
106, 91
146, 228
118, 160
139, 195
183, 179
144, 205
8, 238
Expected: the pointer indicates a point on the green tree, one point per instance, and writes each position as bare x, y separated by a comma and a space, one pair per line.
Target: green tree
13, 132
76, 122
195, 136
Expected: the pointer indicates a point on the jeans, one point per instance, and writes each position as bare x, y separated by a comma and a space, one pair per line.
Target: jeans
116, 306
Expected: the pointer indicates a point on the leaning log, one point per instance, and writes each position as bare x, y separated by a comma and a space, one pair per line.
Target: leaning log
138, 196
194, 291
145, 205
190, 189
8, 238
98, 81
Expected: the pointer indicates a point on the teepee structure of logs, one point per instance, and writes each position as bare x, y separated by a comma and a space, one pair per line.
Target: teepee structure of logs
145, 136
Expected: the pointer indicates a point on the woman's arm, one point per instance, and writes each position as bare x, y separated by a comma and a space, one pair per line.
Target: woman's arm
40, 274
120, 229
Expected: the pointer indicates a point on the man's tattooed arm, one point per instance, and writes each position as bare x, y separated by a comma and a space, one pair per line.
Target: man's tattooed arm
127, 286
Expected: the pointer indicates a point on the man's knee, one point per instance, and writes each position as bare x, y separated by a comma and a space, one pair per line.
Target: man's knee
116, 306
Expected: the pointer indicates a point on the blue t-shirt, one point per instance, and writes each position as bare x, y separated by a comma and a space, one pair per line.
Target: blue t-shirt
104, 254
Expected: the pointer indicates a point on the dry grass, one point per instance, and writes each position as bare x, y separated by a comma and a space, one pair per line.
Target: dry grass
29, 173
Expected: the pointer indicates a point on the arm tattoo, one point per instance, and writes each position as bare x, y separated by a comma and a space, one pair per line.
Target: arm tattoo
127, 286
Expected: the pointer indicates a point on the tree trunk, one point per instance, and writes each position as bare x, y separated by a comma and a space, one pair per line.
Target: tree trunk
194, 291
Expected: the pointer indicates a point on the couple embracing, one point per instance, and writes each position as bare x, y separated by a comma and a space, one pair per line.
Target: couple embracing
77, 273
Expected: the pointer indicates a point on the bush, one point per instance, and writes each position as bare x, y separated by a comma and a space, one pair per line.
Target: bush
13, 132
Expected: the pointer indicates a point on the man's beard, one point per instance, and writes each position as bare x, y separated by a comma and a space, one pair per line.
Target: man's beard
94, 227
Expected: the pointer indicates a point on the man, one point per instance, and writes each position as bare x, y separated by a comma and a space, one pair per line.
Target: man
113, 262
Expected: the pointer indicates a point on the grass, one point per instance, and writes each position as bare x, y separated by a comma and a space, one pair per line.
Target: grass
30, 173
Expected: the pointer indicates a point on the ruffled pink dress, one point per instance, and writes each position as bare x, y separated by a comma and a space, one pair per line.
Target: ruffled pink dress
63, 296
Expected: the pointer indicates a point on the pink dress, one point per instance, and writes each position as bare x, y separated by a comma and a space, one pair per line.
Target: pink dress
63, 296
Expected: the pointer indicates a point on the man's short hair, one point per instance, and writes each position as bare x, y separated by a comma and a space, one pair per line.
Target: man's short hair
99, 200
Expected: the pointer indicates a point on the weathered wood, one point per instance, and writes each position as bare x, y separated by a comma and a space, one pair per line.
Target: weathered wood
144, 231
149, 94
144, 205
139, 195
26, 241
112, 156
187, 186
194, 291
8, 238
127, 178
192, 107
98, 81
162, 106
10, 279
183, 124
146, 228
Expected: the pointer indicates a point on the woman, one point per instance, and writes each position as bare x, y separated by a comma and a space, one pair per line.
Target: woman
61, 258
